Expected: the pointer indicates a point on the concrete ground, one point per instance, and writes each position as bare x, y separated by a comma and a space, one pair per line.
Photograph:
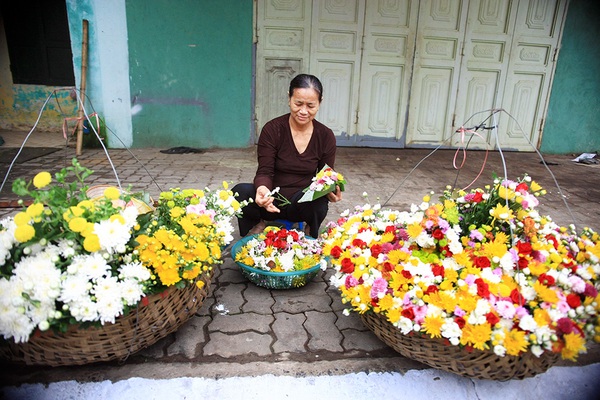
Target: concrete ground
246, 331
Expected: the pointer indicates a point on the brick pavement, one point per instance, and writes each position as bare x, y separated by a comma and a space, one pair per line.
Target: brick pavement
245, 330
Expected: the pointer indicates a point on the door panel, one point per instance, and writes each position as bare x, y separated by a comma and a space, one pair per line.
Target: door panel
337, 31
436, 71
488, 37
530, 70
388, 49
283, 33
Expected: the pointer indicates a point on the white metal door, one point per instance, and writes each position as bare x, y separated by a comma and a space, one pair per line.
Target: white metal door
408, 73
386, 69
362, 56
504, 59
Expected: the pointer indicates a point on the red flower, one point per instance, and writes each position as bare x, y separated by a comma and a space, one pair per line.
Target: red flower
358, 243
573, 300
347, 266
437, 234
492, 318
516, 298
477, 197
445, 251
406, 274
376, 250
437, 270
431, 289
552, 239
547, 280
524, 248
336, 252
482, 262
523, 263
522, 188
460, 321
483, 289
408, 313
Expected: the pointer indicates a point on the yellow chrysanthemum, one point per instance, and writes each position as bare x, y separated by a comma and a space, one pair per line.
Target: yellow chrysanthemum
433, 325
91, 243
35, 210
515, 342
42, 180
414, 230
574, 344
476, 335
24, 233
77, 224
22, 218
112, 193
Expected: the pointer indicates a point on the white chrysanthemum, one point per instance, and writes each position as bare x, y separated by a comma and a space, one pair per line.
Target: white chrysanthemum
405, 325
527, 323
488, 275
84, 310
74, 287
451, 331
499, 350
287, 261
112, 234
131, 292
454, 244
92, 265
135, 270
425, 240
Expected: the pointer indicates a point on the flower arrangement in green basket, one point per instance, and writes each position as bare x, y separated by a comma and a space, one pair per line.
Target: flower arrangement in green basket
481, 269
71, 259
281, 250
186, 234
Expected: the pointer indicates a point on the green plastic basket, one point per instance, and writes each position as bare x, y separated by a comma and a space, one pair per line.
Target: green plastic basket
273, 280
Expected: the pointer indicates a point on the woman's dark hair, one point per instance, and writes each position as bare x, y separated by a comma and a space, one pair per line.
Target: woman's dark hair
305, 81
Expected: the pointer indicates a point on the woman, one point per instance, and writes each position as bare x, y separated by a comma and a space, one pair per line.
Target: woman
291, 149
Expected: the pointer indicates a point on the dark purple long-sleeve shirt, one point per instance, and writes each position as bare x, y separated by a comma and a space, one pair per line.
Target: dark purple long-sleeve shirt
280, 164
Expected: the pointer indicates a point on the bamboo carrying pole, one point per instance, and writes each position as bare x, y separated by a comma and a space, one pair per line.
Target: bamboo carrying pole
80, 115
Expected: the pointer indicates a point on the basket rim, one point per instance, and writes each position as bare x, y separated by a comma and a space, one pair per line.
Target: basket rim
240, 243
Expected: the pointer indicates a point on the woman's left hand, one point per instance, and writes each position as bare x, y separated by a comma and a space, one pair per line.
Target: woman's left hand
336, 196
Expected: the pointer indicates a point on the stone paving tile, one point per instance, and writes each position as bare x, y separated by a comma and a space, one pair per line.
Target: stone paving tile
189, 338
258, 300
240, 344
247, 321
290, 333
323, 332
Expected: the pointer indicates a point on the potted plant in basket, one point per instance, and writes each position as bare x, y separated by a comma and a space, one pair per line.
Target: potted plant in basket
74, 259
479, 271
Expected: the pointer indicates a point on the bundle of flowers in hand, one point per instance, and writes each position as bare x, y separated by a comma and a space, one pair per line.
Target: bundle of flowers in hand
279, 258
325, 181
479, 270
69, 262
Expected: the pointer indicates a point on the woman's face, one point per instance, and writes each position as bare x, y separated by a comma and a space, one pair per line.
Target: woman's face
304, 105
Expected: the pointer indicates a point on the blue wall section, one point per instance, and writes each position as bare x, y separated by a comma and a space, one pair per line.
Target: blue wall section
573, 120
191, 72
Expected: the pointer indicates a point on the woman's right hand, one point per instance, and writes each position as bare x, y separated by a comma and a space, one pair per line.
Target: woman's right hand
265, 200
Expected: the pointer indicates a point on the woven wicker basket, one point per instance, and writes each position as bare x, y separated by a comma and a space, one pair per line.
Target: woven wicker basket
473, 364
160, 315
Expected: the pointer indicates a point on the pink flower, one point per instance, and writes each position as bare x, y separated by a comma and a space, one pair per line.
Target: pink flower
505, 309
379, 288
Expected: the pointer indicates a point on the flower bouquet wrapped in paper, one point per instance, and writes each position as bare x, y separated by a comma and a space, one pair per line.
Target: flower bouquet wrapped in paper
324, 182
